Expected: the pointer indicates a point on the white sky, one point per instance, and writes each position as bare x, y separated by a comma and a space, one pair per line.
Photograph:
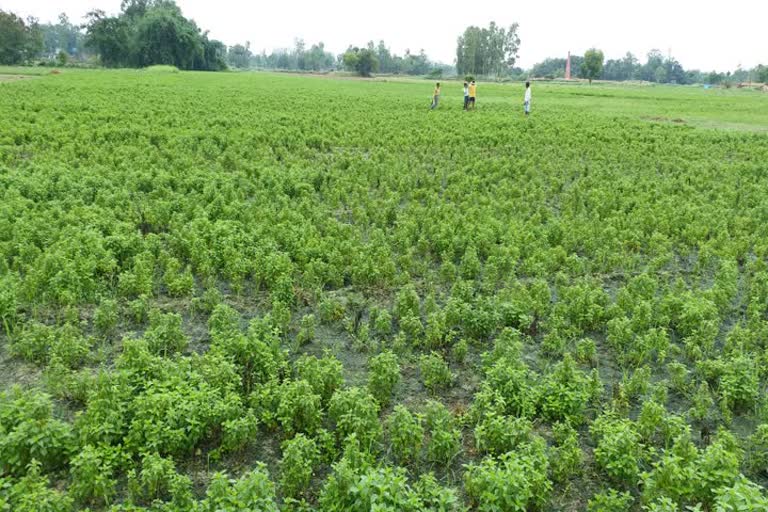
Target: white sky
703, 34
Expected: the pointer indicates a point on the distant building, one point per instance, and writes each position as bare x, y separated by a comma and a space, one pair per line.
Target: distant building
568, 67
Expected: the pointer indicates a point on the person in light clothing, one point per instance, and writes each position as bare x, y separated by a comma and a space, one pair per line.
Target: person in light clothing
436, 97
527, 100
466, 95
472, 94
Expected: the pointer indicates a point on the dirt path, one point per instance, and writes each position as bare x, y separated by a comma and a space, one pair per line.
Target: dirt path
13, 78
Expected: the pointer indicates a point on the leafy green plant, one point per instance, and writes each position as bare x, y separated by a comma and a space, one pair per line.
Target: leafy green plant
610, 501
496, 435
300, 454
92, 472
324, 374
165, 335
307, 330
406, 434
513, 481
33, 493
30, 433
435, 373
384, 374
355, 411
443, 438
299, 408
566, 457
252, 491
619, 450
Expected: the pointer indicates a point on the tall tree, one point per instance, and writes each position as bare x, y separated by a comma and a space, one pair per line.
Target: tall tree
487, 51
20, 41
239, 56
592, 67
362, 61
108, 36
761, 73
164, 36
149, 32
13, 37
62, 37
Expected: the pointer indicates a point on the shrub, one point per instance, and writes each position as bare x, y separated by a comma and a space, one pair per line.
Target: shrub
496, 435
566, 457
324, 374
331, 310
300, 455
407, 303
742, 496
460, 349
515, 481
406, 434
299, 407
307, 330
619, 450
444, 439
236, 433
757, 450
366, 489
565, 392
158, 480
252, 491
165, 336
610, 501
355, 411
383, 323
31, 493
105, 317
92, 473
586, 351
384, 374
435, 373
256, 355
435, 497
29, 432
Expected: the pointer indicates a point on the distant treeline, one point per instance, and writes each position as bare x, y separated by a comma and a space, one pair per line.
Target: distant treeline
657, 68
149, 32
372, 58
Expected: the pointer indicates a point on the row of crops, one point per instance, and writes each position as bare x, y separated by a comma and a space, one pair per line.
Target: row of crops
259, 292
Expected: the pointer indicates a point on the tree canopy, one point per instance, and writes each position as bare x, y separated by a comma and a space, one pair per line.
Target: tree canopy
361, 60
487, 51
149, 32
19, 40
592, 67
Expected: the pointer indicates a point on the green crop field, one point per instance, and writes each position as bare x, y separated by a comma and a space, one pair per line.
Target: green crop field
250, 291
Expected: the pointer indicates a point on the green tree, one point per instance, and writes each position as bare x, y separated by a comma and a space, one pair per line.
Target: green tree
62, 37
487, 51
108, 36
762, 73
149, 32
239, 56
164, 36
592, 68
362, 61
20, 41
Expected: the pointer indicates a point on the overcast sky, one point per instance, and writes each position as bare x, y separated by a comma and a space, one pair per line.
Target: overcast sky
704, 34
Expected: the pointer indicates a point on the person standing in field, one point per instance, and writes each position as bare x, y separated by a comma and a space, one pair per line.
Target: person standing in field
472, 94
527, 99
436, 97
466, 95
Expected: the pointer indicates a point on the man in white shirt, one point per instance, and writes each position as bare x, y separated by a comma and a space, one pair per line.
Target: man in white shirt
466, 95
527, 100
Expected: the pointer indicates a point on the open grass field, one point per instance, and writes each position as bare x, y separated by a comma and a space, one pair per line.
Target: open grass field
251, 291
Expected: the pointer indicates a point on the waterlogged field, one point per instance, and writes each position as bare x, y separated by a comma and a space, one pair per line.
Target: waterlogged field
226, 292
